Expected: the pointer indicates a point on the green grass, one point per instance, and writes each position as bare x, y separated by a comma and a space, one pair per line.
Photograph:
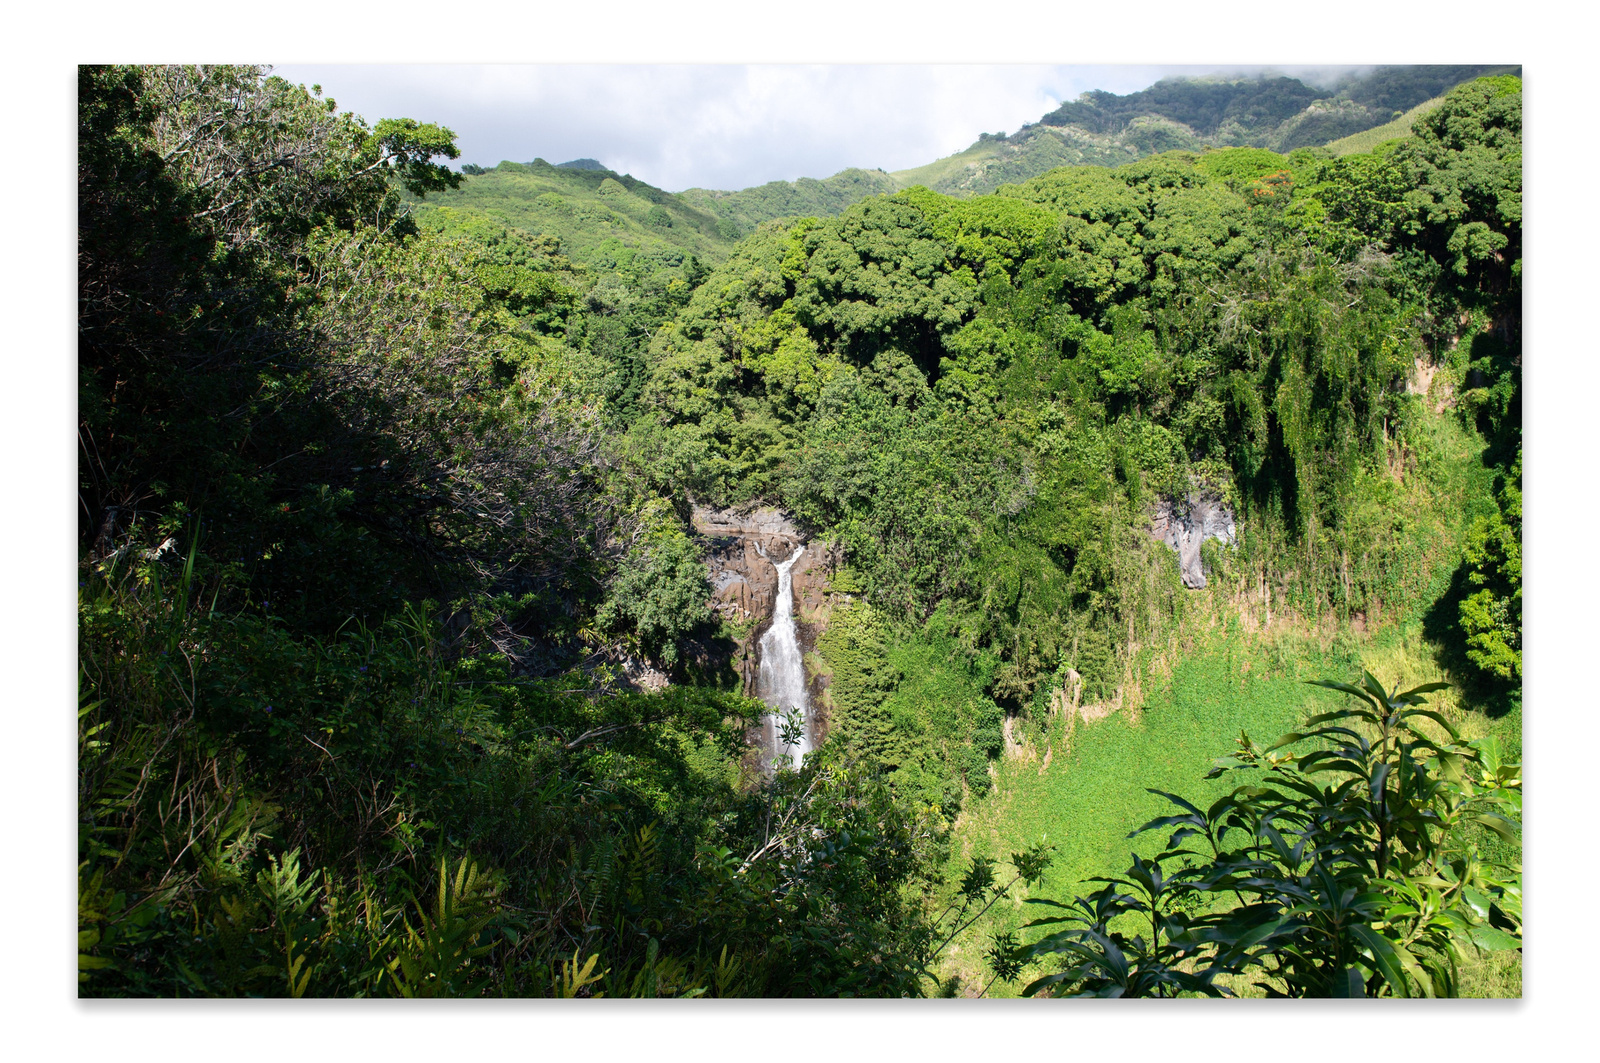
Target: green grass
1094, 789
1367, 139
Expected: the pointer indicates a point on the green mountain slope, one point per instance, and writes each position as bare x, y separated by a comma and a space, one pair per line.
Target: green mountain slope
600, 217
603, 219
791, 199
1277, 113
996, 159
1368, 139
1103, 129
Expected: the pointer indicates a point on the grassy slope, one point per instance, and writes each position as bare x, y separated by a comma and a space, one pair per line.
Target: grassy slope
592, 211
1094, 789
1366, 140
1084, 786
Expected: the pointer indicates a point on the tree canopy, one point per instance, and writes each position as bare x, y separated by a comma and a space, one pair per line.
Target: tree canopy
398, 668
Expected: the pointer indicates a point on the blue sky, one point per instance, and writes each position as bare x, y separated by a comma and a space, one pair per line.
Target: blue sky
726, 126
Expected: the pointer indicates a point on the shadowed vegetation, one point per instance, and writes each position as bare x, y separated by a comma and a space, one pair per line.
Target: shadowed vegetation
385, 479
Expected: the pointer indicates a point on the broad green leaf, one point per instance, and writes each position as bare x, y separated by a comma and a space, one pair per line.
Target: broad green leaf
1434, 716
1385, 958
1425, 688
1348, 984
1493, 939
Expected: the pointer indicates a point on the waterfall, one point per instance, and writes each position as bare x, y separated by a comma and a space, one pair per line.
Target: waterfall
781, 682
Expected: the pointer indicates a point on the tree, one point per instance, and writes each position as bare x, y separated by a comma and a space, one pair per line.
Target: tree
269, 161
661, 591
1465, 168
1491, 616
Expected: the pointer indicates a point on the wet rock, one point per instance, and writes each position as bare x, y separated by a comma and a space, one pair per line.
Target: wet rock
741, 547
738, 546
1185, 523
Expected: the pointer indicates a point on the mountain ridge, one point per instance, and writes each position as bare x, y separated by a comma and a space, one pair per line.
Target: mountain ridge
1103, 129
598, 222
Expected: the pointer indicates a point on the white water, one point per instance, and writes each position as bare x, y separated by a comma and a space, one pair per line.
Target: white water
781, 682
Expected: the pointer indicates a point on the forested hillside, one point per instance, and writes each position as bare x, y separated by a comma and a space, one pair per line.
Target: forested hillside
807, 196
387, 482
1100, 129
1191, 114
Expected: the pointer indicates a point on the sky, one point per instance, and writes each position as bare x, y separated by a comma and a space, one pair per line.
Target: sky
727, 126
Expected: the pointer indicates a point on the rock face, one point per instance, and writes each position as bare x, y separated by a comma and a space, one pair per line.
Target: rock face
741, 549
1185, 523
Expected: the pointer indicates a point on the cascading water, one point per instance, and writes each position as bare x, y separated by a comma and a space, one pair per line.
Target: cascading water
781, 682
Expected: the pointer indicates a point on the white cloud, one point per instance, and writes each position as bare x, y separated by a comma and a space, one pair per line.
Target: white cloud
723, 126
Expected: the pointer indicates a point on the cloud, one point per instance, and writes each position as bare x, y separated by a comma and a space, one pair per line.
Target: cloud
726, 126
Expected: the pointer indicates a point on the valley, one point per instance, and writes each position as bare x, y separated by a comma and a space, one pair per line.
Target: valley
454, 541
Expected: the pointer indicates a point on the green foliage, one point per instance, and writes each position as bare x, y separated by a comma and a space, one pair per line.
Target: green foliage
380, 493
1240, 166
1491, 616
404, 149
435, 956
393, 759
1351, 868
862, 679
597, 215
874, 282
1044, 363
744, 210
1354, 200
286, 743
1465, 159
661, 591
298, 386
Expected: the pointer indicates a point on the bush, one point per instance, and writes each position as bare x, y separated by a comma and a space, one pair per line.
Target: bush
1351, 867
662, 591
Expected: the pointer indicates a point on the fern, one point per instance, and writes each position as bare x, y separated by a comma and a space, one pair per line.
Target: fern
572, 981
730, 977
94, 901
600, 875
290, 899
643, 862
433, 957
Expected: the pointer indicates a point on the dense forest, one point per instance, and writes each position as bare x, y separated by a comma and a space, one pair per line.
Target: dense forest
388, 480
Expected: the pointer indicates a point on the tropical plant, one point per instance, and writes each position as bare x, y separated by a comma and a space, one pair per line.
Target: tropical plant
1352, 866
